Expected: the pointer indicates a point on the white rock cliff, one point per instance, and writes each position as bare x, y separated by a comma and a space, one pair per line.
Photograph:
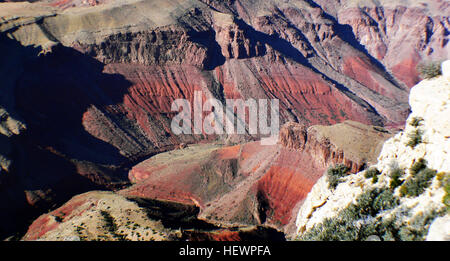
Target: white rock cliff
430, 121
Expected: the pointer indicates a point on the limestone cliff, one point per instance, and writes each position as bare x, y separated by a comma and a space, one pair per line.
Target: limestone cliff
402, 197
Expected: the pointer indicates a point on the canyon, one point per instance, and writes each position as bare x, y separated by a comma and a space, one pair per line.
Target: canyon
410, 205
234, 188
87, 87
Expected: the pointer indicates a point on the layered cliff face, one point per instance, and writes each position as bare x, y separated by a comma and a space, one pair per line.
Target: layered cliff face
254, 184
93, 81
210, 190
105, 216
405, 196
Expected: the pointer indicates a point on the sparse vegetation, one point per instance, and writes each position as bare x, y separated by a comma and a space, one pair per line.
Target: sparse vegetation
417, 228
417, 184
396, 174
419, 165
335, 174
415, 121
109, 221
111, 226
429, 70
357, 221
361, 220
415, 138
444, 180
374, 201
373, 174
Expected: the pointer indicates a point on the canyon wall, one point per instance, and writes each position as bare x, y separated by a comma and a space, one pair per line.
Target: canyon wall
254, 184
87, 85
409, 198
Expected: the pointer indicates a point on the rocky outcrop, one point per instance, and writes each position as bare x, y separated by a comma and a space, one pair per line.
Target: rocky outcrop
106, 216
235, 41
293, 136
253, 184
93, 81
8, 128
356, 149
413, 171
399, 35
171, 45
99, 216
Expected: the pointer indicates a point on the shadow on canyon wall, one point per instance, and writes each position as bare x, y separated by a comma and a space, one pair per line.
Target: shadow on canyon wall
184, 217
51, 94
345, 32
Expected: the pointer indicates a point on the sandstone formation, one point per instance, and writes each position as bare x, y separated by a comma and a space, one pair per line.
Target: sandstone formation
254, 184
414, 170
239, 186
397, 35
355, 144
87, 85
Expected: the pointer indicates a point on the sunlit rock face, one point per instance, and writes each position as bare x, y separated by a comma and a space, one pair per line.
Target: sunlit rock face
425, 138
87, 85
254, 184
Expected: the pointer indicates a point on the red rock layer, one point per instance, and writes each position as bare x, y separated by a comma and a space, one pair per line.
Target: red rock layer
303, 95
47, 222
400, 36
245, 184
93, 109
286, 183
284, 178
64, 4
406, 71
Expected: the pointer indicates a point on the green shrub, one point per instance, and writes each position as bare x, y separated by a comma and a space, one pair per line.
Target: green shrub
419, 165
357, 222
415, 122
417, 229
446, 199
109, 221
374, 179
416, 185
415, 138
372, 173
384, 201
396, 174
335, 174
429, 70
444, 180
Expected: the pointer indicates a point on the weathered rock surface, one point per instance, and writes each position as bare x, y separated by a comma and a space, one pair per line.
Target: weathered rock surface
426, 138
399, 35
355, 144
254, 184
93, 81
98, 216
106, 216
